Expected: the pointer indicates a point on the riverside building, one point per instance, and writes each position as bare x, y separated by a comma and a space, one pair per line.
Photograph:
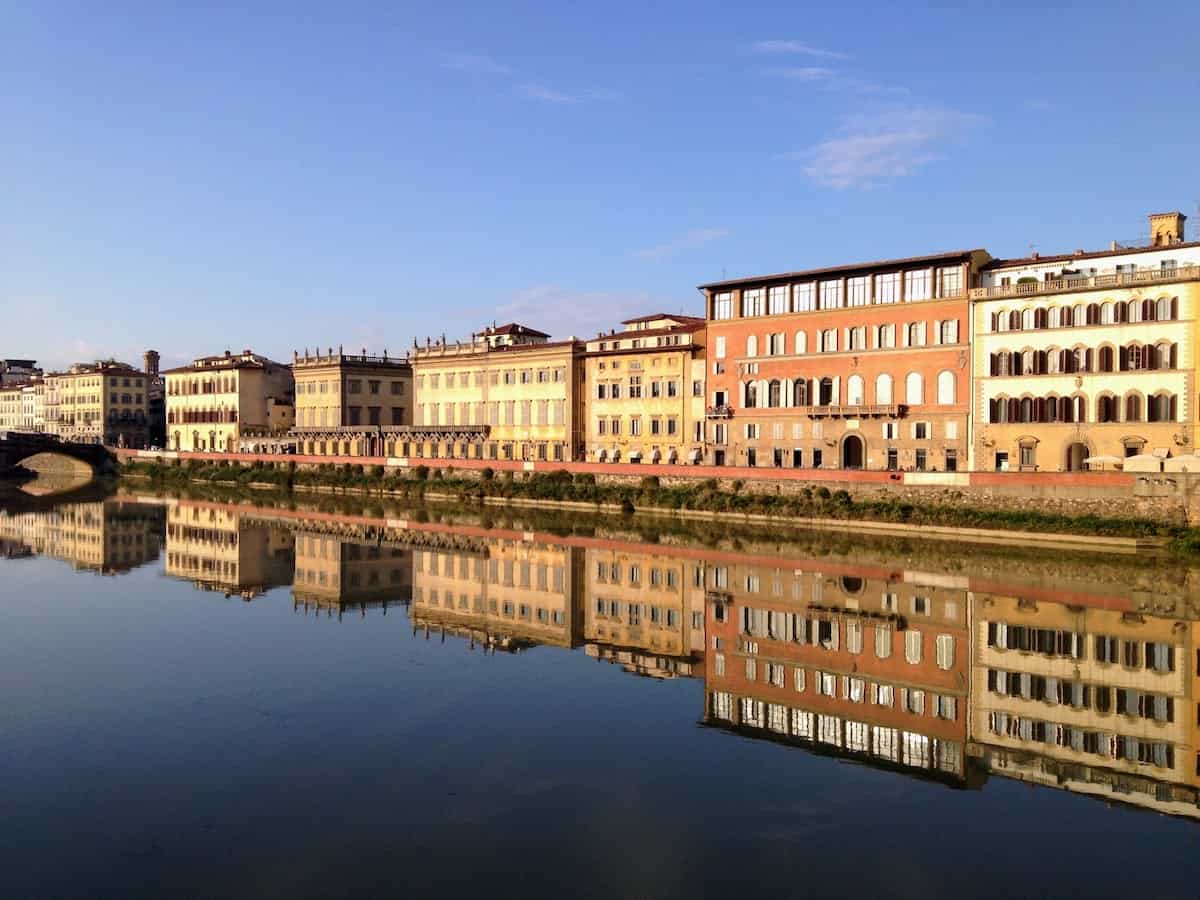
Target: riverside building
104, 402
215, 401
507, 393
351, 404
864, 366
1087, 356
644, 394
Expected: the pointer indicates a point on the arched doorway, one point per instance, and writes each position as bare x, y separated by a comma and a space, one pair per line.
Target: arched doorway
1076, 454
853, 452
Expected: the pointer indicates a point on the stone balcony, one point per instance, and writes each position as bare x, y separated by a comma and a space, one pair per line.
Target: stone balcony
1076, 283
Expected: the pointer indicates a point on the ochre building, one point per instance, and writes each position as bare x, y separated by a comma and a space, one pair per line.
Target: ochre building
507, 393
350, 404
644, 391
216, 400
865, 366
101, 403
1084, 360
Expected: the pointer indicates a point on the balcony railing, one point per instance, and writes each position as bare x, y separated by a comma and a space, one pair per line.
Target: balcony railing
1073, 283
851, 411
720, 411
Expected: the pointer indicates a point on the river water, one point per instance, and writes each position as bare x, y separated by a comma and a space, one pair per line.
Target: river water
242, 697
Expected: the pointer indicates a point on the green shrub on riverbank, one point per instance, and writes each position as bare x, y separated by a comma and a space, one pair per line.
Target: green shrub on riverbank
703, 496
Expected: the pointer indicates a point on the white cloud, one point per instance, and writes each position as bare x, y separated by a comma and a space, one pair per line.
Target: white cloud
532, 91
834, 80
804, 73
693, 238
796, 47
473, 62
893, 144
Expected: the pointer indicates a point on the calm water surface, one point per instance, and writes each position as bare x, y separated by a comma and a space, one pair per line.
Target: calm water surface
204, 698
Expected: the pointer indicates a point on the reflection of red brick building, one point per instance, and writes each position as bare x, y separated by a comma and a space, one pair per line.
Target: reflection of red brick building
864, 366
861, 662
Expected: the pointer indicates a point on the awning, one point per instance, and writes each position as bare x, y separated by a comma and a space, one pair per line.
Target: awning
693, 455
635, 454
1143, 462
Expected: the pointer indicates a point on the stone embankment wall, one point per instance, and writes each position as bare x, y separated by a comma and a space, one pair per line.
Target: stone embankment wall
1171, 498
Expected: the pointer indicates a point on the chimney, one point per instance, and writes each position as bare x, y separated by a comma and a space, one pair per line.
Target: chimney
227, 354
150, 363
1166, 228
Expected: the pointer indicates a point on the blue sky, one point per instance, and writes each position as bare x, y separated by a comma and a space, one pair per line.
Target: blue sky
196, 177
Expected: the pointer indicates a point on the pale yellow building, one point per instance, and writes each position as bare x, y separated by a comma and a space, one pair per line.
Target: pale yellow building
103, 402
217, 400
346, 404
10, 408
1087, 356
508, 393
644, 391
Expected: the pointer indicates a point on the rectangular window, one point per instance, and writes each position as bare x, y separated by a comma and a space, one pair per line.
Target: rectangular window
777, 300
719, 347
916, 285
804, 297
856, 291
723, 306
753, 302
950, 281
887, 288
831, 294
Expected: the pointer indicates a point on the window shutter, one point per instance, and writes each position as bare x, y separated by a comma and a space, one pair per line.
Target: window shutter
924, 337
837, 390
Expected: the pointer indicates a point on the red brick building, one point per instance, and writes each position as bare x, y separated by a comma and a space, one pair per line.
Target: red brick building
865, 366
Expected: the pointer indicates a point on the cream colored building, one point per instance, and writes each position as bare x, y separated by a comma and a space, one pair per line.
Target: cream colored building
33, 405
102, 402
215, 401
333, 574
107, 537
10, 408
345, 403
644, 391
508, 393
1087, 356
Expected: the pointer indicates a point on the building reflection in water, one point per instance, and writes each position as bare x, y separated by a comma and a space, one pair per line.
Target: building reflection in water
108, 537
950, 678
865, 663
219, 548
334, 573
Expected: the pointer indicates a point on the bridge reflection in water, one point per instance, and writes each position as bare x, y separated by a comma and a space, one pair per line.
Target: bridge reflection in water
1079, 678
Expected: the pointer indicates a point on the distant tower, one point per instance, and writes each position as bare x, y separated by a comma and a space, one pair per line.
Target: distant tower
1166, 228
150, 363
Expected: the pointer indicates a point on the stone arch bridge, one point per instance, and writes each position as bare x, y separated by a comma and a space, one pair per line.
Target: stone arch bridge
46, 453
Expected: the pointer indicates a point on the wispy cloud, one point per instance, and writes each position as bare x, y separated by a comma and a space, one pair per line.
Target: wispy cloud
473, 62
797, 47
693, 238
834, 80
892, 144
545, 94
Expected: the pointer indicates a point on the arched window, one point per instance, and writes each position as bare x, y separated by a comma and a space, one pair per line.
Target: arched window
946, 388
1078, 316
800, 392
774, 395
1161, 408
997, 410
1026, 410
1040, 318
883, 388
801, 342
829, 340
1053, 319
1053, 360
1027, 363
1106, 359
1027, 319
1120, 312
1051, 412
1162, 309
999, 321
751, 394
1014, 321
1093, 314
1149, 309
1106, 408
855, 388
752, 345
914, 389
1106, 314
1079, 408
1133, 408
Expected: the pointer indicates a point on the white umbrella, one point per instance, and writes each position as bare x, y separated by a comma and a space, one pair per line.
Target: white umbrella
1102, 461
1143, 462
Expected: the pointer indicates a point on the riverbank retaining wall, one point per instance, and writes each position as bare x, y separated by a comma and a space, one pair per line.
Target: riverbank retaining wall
1171, 498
